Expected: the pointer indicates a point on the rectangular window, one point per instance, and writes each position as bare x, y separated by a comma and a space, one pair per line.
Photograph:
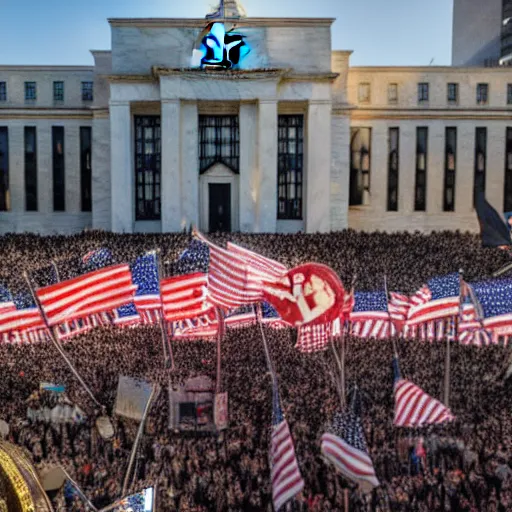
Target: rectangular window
30, 91
423, 92
59, 185
85, 168
290, 155
360, 159
482, 94
450, 165
219, 142
30, 144
3, 91
420, 186
453, 94
148, 168
5, 199
508, 172
364, 93
509, 94
393, 164
87, 91
393, 94
58, 91
480, 160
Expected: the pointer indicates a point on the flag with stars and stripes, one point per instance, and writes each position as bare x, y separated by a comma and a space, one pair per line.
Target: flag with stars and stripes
344, 446
370, 317
287, 481
96, 292
145, 276
471, 330
235, 276
20, 319
6, 302
495, 299
398, 307
98, 258
415, 408
436, 301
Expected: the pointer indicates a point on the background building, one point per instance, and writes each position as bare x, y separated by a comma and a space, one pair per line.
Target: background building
157, 136
482, 32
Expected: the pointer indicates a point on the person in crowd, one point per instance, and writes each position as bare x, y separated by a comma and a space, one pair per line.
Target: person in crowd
462, 466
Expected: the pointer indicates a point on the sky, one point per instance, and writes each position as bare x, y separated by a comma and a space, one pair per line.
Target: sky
380, 32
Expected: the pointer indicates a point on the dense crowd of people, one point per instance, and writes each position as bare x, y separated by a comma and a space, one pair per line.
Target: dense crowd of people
462, 466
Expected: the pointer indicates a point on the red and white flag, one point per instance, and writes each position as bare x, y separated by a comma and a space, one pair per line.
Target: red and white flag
415, 408
96, 292
185, 296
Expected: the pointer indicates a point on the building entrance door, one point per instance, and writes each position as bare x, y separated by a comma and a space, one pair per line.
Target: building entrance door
219, 217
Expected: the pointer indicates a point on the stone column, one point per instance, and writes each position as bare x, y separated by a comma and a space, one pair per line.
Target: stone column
340, 171
189, 165
318, 204
249, 189
266, 218
121, 168
101, 180
171, 179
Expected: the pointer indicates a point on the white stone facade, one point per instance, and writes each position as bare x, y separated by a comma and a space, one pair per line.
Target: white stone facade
147, 73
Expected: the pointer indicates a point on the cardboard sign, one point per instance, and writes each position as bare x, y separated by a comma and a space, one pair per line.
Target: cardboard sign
221, 411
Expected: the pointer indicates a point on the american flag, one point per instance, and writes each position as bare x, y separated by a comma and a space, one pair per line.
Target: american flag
495, 298
470, 329
6, 302
147, 297
185, 296
398, 308
96, 292
370, 317
437, 300
260, 269
98, 258
344, 446
314, 337
20, 319
415, 408
195, 258
287, 481
231, 283
205, 327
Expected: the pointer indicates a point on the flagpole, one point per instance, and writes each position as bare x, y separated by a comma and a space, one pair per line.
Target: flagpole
155, 391
76, 486
57, 345
166, 343
220, 333
265, 346
54, 265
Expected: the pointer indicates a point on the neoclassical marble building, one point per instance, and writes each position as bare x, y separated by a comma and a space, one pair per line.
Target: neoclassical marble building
162, 133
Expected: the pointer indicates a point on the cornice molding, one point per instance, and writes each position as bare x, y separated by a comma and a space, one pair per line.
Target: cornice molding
457, 115
46, 68
202, 22
233, 74
115, 79
429, 69
45, 113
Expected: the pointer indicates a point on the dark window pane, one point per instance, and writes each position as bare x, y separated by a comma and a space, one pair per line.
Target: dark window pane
508, 171
393, 166
86, 168
58, 91
450, 163
4, 170
59, 185
289, 166
147, 168
480, 160
87, 91
30, 91
3, 91
30, 144
420, 194
219, 142
360, 163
